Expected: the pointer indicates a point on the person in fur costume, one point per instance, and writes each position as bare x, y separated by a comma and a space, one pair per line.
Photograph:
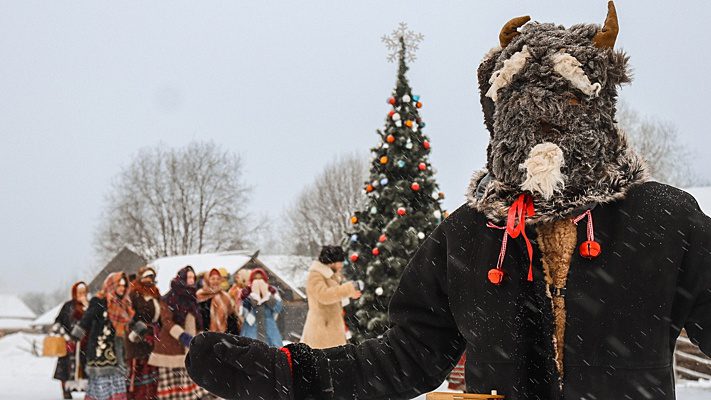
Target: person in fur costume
567, 275
261, 305
69, 315
145, 299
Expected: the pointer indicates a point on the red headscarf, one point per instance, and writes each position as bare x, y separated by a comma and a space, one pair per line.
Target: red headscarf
79, 307
119, 307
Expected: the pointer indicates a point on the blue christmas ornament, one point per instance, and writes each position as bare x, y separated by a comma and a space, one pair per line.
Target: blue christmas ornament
384, 181
354, 238
415, 98
401, 164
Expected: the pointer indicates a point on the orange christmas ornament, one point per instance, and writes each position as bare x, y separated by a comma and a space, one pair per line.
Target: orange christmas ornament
390, 138
408, 123
384, 159
419, 104
369, 188
354, 220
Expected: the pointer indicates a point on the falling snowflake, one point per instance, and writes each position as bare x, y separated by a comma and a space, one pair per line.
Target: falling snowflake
412, 43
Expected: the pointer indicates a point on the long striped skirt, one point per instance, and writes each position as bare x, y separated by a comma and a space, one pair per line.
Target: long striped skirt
175, 384
142, 380
106, 387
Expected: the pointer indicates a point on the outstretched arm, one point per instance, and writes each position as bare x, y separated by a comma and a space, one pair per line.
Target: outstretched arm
414, 356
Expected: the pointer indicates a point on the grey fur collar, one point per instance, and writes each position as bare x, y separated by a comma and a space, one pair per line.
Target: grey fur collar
493, 198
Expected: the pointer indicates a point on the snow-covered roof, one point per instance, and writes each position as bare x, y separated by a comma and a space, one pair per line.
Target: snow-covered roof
11, 307
48, 317
703, 197
290, 269
14, 324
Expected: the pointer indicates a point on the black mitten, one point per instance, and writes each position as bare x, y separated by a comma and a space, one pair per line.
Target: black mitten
236, 367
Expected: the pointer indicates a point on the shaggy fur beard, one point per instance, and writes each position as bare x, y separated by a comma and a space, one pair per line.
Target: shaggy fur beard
535, 108
542, 168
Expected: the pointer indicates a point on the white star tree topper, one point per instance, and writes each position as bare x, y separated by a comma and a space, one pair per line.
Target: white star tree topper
410, 38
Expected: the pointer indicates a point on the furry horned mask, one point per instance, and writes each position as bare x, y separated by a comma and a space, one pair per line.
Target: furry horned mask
549, 96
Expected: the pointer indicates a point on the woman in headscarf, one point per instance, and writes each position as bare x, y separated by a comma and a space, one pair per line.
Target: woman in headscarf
180, 320
69, 315
106, 322
216, 307
261, 305
145, 298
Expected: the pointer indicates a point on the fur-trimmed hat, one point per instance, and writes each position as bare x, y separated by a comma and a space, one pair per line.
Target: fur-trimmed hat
331, 254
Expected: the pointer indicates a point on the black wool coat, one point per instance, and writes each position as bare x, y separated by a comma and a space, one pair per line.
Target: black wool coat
101, 348
625, 310
65, 365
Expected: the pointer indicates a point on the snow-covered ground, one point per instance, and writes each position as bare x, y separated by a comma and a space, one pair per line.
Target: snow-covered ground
26, 377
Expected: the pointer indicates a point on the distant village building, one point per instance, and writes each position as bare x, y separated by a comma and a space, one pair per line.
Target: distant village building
126, 261
15, 315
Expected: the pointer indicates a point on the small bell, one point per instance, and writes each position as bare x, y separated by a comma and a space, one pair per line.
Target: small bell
590, 249
496, 276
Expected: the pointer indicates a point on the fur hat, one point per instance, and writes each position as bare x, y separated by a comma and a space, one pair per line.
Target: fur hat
331, 254
549, 97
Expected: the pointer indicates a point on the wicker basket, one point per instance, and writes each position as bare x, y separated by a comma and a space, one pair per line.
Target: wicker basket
54, 346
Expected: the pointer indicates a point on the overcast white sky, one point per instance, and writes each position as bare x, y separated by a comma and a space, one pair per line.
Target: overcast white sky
287, 85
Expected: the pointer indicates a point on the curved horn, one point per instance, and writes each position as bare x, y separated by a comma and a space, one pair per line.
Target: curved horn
605, 38
509, 32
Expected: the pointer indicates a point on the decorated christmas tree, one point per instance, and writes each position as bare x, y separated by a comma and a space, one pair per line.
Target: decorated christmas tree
403, 204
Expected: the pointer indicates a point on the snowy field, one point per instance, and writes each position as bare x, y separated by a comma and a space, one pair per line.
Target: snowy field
26, 377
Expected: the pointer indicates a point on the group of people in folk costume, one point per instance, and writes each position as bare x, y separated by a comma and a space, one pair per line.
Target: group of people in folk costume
132, 341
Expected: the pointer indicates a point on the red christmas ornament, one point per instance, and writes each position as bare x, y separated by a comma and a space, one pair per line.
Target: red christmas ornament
391, 113
401, 211
415, 186
590, 249
496, 276
426, 144
422, 166
391, 100
382, 238
390, 138
369, 188
376, 251
354, 257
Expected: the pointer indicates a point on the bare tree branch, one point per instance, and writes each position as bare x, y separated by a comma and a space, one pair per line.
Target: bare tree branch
176, 201
659, 144
322, 211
